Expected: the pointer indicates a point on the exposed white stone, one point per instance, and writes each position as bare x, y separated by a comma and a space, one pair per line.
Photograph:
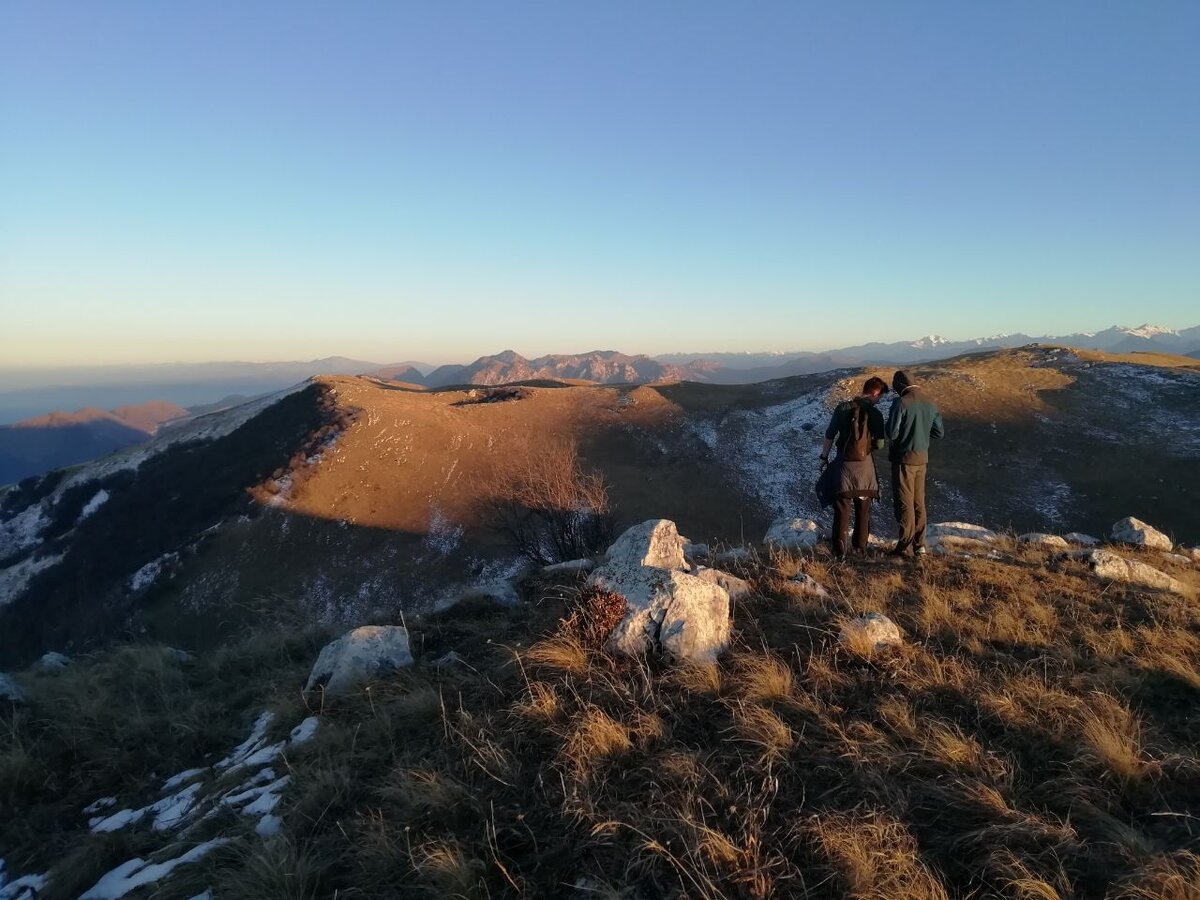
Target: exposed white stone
873, 632
11, 691
734, 586
806, 584
1136, 532
1046, 541
52, 662
940, 531
668, 609
1178, 559
655, 542
1083, 540
792, 534
1110, 565
358, 656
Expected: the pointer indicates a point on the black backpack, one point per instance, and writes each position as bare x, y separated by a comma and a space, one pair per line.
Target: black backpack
859, 445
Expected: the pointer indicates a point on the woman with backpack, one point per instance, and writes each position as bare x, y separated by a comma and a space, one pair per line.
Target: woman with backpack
857, 428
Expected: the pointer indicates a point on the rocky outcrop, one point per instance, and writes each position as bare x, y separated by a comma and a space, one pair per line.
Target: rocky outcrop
872, 633
792, 534
1137, 533
10, 691
1115, 567
669, 610
359, 656
1045, 541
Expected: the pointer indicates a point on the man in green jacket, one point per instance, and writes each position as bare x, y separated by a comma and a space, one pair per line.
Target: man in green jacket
913, 420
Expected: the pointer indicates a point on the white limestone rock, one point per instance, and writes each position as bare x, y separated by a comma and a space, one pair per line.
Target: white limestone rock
940, 531
1178, 558
655, 542
872, 633
11, 691
1107, 564
1136, 532
1081, 539
669, 610
358, 656
571, 565
792, 534
52, 662
806, 584
1045, 541
734, 586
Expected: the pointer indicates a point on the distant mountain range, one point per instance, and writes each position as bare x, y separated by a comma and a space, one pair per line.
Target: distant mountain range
61, 439
609, 366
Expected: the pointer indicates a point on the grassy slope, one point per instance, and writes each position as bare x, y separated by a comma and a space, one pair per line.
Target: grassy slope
1035, 738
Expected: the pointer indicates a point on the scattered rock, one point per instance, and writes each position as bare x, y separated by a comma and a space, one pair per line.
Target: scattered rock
668, 609
1192, 553
792, 534
1046, 541
52, 662
179, 656
360, 655
696, 551
11, 691
1110, 565
871, 633
733, 555
940, 531
808, 585
1178, 559
1083, 540
571, 565
734, 586
1136, 532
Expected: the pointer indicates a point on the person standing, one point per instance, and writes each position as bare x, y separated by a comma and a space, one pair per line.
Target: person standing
912, 422
857, 428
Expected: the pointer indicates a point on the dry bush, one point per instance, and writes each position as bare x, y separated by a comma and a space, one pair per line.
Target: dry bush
876, 857
552, 509
594, 614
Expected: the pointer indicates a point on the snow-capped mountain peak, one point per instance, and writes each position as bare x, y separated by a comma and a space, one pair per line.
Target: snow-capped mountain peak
930, 340
1147, 331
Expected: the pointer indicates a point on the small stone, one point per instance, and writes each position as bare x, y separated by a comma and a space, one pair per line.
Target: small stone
806, 584
943, 530
1177, 558
1083, 540
871, 633
1046, 541
792, 534
1107, 564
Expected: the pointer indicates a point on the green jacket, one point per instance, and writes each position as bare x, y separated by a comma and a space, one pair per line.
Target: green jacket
839, 424
912, 421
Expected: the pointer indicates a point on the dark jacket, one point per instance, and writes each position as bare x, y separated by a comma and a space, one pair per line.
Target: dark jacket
913, 420
857, 478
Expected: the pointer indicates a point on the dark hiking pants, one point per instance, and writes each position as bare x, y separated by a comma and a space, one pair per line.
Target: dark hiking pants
841, 523
908, 494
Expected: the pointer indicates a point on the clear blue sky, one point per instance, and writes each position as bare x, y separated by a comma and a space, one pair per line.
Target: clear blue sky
439, 180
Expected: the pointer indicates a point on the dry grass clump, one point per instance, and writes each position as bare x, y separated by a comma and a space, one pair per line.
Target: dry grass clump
594, 614
1006, 752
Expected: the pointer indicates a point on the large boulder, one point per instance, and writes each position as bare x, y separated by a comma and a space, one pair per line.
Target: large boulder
872, 633
10, 691
358, 656
1136, 532
792, 534
668, 609
1107, 564
948, 531
656, 543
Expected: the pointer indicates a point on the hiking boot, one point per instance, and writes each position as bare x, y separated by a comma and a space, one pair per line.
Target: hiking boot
897, 551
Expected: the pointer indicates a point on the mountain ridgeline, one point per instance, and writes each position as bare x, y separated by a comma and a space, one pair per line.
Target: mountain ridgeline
356, 497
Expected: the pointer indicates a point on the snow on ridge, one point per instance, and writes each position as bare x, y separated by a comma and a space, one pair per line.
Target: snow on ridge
148, 574
94, 504
15, 578
136, 873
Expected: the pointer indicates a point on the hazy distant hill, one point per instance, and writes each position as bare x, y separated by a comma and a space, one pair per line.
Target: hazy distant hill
61, 439
599, 366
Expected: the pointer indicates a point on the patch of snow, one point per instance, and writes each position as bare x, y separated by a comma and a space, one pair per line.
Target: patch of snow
268, 826
304, 731
443, 536
23, 530
168, 812
97, 805
92, 505
136, 873
14, 579
258, 732
27, 887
